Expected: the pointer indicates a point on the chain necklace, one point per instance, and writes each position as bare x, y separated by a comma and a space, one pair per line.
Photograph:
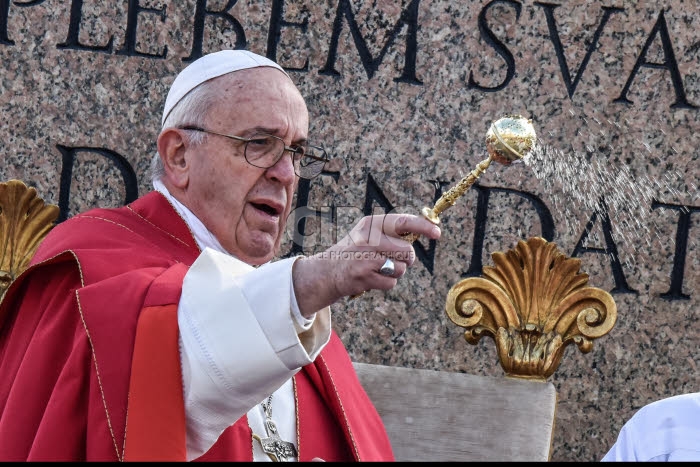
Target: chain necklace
275, 447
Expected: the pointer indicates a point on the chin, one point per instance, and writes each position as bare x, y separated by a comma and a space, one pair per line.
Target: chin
261, 252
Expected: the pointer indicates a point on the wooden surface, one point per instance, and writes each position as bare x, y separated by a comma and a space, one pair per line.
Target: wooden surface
445, 416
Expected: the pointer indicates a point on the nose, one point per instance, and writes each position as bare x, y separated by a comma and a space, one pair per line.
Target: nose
283, 170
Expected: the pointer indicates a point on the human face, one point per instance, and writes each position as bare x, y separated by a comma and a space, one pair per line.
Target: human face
246, 207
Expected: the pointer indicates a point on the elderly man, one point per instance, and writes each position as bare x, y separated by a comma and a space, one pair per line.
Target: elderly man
163, 330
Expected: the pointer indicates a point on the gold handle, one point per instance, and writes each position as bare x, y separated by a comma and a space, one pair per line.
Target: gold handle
449, 198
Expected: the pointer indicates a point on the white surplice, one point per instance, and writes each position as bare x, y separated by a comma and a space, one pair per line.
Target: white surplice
242, 337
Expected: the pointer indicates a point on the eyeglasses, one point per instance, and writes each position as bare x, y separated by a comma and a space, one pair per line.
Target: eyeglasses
263, 150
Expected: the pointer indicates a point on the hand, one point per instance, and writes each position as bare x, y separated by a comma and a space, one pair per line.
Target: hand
351, 266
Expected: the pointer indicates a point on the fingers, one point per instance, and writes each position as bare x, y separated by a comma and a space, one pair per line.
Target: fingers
373, 231
392, 269
384, 235
368, 231
398, 225
387, 274
354, 264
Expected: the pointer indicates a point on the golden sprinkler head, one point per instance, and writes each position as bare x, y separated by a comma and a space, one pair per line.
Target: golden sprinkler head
510, 138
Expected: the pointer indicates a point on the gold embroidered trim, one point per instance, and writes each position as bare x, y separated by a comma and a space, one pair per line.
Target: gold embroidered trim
296, 414
120, 458
92, 347
342, 409
82, 216
165, 231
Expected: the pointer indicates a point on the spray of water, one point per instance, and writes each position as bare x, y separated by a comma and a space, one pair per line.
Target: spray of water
577, 182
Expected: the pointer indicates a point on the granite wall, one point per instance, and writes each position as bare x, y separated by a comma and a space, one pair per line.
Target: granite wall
402, 94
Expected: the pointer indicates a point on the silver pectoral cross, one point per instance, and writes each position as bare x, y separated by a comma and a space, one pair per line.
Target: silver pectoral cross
275, 447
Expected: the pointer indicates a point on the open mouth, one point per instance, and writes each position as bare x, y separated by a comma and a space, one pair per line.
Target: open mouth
267, 208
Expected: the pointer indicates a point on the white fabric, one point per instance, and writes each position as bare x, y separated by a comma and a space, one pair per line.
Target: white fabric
666, 430
231, 358
210, 66
228, 308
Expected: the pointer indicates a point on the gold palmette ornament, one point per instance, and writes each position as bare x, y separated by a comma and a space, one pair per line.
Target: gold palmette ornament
508, 139
533, 302
24, 222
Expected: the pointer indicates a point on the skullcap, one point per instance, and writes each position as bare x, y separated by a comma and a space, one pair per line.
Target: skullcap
210, 66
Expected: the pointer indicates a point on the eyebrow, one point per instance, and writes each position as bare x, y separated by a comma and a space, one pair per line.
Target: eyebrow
273, 131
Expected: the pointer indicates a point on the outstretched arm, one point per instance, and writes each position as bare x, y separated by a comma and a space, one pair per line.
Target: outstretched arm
351, 266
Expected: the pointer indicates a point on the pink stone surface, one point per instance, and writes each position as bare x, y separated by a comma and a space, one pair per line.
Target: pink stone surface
407, 135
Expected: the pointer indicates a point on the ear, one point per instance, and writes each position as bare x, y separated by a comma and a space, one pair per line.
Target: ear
172, 147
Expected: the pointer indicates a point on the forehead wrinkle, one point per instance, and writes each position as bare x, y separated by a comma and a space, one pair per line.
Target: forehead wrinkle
247, 86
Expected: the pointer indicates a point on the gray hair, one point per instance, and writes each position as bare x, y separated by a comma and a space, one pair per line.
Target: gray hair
191, 110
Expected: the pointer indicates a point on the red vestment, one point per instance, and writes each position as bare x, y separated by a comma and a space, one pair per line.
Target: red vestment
89, 362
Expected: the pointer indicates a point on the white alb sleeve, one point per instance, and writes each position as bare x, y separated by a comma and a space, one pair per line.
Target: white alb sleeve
238, 341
